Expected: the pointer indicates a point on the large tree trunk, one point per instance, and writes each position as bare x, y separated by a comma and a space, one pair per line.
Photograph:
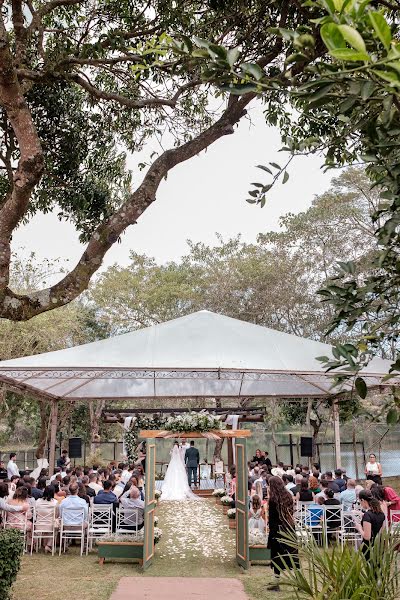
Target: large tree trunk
95, 409
218, 450
44, 424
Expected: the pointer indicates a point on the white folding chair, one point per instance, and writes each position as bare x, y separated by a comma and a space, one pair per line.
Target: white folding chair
44, 526
127, 520
219, 472
348, 533
70, 532
100, 523
18, 520
332, 521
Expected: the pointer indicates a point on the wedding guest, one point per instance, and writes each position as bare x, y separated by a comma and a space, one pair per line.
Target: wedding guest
59, 495
392, 500
313, 484
82, 493
280, 521
373, 470
279, 470
20, 499
94, 484
257, 458
289, 483
340, 482
256, 520
371, 522
71, 518
48, 520
38, 488
332, 485
304, 494
134, 501
3, 471
5, 505
12, 469
330, 499
378, 492
298, 479
106, 495
348, 496
232, 484
88, 490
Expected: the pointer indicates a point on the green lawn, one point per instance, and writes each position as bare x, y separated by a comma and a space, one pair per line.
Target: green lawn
202, 547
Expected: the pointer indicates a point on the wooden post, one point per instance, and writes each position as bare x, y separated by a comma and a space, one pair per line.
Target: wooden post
53, 436
230, 449
336, 429
291, 450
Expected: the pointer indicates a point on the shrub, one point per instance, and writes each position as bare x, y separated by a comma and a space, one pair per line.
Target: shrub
11, 548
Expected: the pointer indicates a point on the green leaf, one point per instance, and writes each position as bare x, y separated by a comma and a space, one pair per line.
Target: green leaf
200, 53
232, 56
389, 76
253, 70
332, 36
285, 177
367, 89
361, 387
347, 54
251, 200
392, 417
381, 28
352, 37
275, 165
264, 168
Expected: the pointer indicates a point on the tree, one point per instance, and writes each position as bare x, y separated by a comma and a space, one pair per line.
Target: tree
348, 107
97, 75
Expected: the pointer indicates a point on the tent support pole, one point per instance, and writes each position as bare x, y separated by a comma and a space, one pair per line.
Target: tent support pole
336, 428
53, 435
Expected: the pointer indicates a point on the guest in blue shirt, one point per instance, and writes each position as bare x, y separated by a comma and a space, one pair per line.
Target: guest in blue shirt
73, 517
106, 496
348, 497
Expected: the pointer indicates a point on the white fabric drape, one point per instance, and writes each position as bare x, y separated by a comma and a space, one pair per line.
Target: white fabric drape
127, 426
233, 421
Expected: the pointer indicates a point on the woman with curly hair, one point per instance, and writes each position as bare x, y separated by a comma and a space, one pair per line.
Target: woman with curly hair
281, 522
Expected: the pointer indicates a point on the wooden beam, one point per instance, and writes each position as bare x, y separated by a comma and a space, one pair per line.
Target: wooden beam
223, 433
53, 436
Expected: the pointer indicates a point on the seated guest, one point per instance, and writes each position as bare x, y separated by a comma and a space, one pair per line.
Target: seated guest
48, 521
298, 479
314, 485
392, 501
20, 500
340, 482
71, 518
305, 471
304, 494
106, 495
348, 496
279, 470
332, 485
256, 514
93, 483
289, 483
59, 495
88, 490
4, 505
3, 471
82, 493
133, 501
38, 488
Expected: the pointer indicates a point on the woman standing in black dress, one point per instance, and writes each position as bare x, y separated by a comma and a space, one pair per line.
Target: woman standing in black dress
281, 522
372, 521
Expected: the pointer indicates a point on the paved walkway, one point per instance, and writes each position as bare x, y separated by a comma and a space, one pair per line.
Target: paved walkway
178, 588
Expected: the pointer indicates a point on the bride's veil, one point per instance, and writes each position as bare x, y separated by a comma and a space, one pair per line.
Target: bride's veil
175, 485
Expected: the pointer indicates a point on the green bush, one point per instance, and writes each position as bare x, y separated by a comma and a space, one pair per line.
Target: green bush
337, 573
11, 548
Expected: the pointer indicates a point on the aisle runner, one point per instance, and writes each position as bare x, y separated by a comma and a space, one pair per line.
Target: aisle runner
176, 588
195, 529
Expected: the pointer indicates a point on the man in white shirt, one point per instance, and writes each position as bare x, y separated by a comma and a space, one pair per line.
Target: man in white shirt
71, 517
12, 468
93, 477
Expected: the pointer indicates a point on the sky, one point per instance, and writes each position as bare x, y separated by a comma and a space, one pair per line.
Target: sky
200, 198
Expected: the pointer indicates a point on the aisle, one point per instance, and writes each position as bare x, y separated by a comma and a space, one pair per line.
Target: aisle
195, 532
177, 588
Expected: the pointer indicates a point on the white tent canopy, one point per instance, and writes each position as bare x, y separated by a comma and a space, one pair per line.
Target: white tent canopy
202, 354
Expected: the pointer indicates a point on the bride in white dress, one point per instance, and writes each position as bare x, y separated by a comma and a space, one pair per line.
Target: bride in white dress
175, 485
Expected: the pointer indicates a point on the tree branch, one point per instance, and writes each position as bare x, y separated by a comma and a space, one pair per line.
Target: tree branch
50, 6
23, 307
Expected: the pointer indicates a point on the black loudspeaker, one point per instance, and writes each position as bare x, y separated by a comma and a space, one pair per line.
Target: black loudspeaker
75, 447
306, 446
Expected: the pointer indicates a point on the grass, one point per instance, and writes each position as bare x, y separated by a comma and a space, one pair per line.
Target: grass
43, 576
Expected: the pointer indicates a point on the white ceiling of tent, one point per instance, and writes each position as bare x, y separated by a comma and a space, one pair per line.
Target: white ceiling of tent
202, 354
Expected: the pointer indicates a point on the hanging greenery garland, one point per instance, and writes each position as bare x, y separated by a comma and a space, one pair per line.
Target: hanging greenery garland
131, 437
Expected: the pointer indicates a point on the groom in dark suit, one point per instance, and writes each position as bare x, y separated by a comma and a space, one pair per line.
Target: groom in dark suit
192, 459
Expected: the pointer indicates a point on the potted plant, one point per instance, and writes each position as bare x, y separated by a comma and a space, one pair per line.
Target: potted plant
217, 494
231, 514
124, 545
258, 546
226, 502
